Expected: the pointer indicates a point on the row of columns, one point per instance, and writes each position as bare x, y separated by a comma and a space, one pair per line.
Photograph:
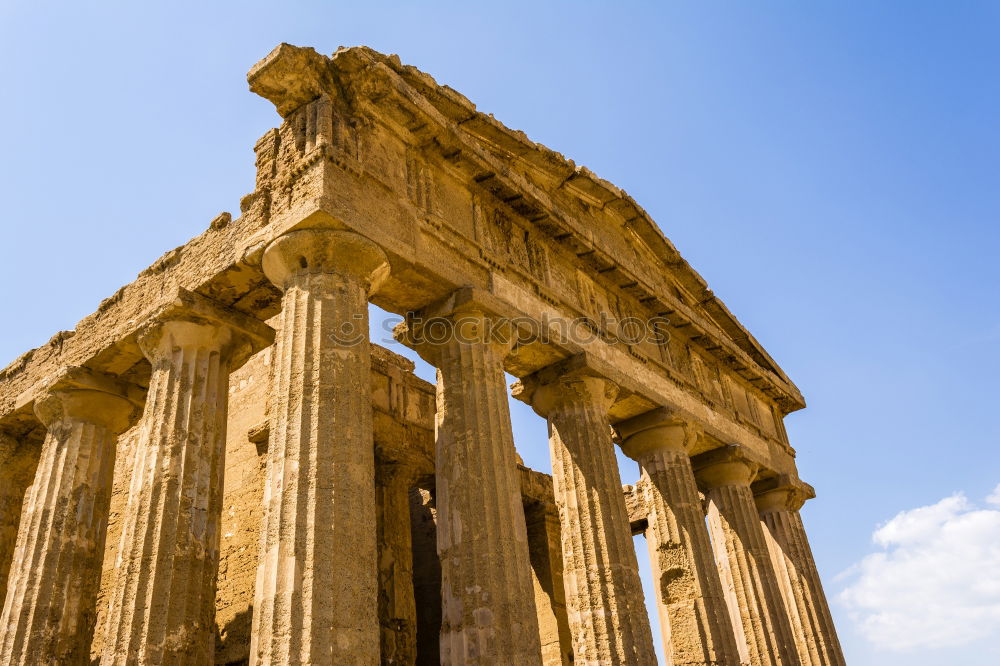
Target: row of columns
316, 597
162, 602
746, 590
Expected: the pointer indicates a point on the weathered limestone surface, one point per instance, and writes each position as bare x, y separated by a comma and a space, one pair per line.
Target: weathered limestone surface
544, 547
397, 610
753, 593
488, 610
242, 507
50, 608
162, 607
18, 462
607, 617
403, 412
316, 593
302, 506
693, 615
124, 459
815, 634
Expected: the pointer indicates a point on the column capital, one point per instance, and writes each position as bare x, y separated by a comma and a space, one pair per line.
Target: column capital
89, 396
325, 251
466, 315
657, 429
725, 466
191, 319
784, 492
571, 380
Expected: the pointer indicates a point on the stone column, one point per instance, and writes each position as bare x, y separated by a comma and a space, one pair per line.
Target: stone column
50, 609
693, 614
162, 602
779, 501
18, 461
748, 574
488, 608
607, 614
396, 605
316, 600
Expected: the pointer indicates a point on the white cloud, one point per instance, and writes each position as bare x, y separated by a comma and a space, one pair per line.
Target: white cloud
994, 497
935, 579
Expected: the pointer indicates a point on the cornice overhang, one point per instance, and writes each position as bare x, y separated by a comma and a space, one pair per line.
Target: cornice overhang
536, 182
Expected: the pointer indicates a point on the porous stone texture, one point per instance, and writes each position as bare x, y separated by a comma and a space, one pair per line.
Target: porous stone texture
316, 593
760, 618
544, 547
162, 606
809, 613
18, 462
488, 609
50, 609
309, 514
242, 507
397, 610
693, 615
607, 617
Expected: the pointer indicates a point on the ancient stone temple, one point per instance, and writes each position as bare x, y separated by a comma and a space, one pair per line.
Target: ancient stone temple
218, 466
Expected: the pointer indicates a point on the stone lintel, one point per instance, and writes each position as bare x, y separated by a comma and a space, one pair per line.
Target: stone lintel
468, 298
290, 76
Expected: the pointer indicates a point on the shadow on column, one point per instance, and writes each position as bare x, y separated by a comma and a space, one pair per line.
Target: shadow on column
426, 576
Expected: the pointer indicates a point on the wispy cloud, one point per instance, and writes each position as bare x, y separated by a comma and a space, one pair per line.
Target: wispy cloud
934, 580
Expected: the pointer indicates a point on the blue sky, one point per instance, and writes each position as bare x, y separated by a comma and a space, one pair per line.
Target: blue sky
831, 168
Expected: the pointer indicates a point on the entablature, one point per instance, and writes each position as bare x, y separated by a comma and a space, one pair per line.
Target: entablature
455, 199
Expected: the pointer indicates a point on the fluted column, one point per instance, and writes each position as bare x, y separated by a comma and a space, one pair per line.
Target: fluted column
316, 598
604, 599
396, 604
741, 553
812, 624
18, 462
693, 616
50, 609
162, 602
488, 608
